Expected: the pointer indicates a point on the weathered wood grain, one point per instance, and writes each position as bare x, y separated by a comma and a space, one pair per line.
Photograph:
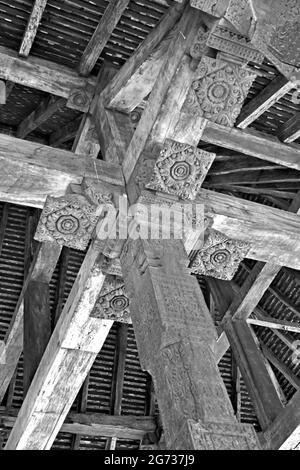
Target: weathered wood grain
31, 171
42, 74
32, 27
101, 35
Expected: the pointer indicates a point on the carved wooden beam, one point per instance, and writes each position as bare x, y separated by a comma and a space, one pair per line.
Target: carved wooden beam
32, 26
107, 24
175, 336
49, 77
30, 171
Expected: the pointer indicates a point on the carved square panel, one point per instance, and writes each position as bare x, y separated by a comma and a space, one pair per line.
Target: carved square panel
220, 256
180, 169
69, 221
219, 91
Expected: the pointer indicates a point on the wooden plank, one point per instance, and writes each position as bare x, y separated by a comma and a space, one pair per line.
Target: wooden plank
32, 26
275, 90
42, 268
107, 24
284, 432
2, 92
253, 143
273, 323
258, 178
70, 353
288, 374
290, 130
43, 75
31, 171
118, 376
96, 424
264, 396
41, 114
3, 225
142, 53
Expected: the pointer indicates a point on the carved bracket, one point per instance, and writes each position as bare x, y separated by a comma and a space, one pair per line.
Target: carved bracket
220, 256
219, 91
180, 170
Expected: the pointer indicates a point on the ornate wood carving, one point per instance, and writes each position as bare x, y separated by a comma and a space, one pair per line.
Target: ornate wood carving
200, 44
226, 40
220, 256
240, 14
175, 334
69, 220
180, 169
219, 91
113, 302
80, 98
218, 436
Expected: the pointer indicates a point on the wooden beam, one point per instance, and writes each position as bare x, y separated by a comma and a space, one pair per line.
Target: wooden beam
42, 113
42, 268
175, 336
284, 432
254, 177
271, 232
107, 24
273, 323
275, 90
283, 369
142, 53
31, 171
32, 26
95, 424
46, 76
264, 396
70, 353
65, 133
2, 92
290, 130
253, 143
118, 376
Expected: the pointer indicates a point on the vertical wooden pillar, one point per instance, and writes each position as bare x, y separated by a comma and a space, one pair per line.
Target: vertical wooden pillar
175, 336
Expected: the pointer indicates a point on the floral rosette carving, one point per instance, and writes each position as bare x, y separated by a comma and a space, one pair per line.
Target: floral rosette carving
69, 221
219, 91
180, 170
220, 256
113, 302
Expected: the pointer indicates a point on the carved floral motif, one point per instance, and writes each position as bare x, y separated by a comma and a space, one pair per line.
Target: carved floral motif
180, 170
219, 91
113, 302
68, 220
220, 256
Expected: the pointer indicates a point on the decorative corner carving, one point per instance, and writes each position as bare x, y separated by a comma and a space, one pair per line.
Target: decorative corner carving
113, 302
97, 192
180, 169
225, 40
219, 91
241, 15
80, 98
199, 45
68, 220
220, 256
